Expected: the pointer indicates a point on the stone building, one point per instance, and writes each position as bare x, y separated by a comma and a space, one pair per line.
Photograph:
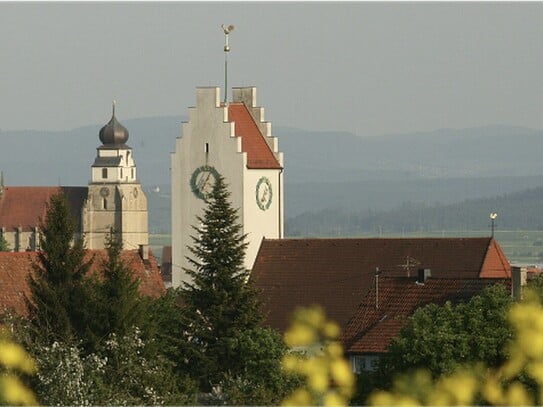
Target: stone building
234, 140
113, 200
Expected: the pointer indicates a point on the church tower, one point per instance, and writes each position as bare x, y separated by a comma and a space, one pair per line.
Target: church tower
231, 139
115, 198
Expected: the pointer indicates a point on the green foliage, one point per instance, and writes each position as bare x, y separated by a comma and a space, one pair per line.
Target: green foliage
439, 338
220, 312
57, 286
122, 374
4, 246
116, 306
261, 379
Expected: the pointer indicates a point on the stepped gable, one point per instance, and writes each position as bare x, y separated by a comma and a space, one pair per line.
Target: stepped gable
26, 206
338, 273
259, 154
15, 268
372, 328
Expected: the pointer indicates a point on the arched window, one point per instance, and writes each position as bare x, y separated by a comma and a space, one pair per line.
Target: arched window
104, 173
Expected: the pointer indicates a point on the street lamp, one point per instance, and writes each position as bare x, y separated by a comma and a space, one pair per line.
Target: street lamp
493, 217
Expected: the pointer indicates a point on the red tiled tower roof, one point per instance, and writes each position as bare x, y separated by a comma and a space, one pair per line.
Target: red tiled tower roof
15, 269
338, 273
259, 154
25, 206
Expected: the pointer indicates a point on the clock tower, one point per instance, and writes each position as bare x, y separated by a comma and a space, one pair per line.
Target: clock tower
115, 197
231, 139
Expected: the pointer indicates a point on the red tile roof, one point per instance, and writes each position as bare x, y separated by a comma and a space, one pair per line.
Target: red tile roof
25, 206
259, 154
338, 273
372, 329
15, 268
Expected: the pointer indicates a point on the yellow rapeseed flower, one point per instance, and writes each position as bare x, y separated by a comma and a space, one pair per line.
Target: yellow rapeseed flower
13, 356
14, 391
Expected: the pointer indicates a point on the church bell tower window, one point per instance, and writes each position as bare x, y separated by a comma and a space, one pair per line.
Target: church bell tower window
104, 173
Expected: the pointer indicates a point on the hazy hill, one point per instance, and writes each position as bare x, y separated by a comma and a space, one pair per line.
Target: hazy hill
517, 211
322, 169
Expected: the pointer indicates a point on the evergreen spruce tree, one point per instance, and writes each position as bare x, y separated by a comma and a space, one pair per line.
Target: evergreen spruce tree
218, 303
119, 307
4, 246
57, 286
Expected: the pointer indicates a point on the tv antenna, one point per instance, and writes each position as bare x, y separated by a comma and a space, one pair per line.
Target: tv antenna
409, 263
227, 30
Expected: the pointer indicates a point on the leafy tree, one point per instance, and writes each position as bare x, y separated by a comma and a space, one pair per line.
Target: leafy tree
218, 304
57, 286
439, 338
261, 379
120, 374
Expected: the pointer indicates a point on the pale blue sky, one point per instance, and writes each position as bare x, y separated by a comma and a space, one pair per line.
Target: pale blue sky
367, 68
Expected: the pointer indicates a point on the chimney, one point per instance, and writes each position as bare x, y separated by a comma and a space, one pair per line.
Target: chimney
423, 275
144, 251
518, 280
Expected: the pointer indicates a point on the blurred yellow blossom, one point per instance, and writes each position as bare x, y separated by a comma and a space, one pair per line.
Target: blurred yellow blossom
470, 385
13, 361
328, 377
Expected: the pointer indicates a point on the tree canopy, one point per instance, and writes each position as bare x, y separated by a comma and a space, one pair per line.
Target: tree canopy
220, 310
58, 290
439, 338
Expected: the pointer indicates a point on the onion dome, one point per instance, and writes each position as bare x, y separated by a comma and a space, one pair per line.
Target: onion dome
113, 133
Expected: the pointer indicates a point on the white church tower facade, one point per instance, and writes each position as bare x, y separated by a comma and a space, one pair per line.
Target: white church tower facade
115, 200
231, 139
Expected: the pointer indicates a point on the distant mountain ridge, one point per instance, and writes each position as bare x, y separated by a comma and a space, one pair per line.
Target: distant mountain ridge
323, 169
516, 211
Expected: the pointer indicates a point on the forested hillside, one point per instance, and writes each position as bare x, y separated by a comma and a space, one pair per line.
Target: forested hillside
515, 211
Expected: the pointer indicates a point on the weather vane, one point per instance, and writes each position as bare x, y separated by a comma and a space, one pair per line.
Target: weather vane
227, 30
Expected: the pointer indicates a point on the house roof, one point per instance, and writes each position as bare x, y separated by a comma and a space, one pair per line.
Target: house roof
376, 322
16, 266
338, 273
259, 154
25, 206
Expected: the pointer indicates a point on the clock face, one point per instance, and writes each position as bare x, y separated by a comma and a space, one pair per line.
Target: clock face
104, 192
202, 181
263, 193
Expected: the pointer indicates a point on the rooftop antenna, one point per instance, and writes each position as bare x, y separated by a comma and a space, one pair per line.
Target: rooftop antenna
409, 263
227, 30
377, 272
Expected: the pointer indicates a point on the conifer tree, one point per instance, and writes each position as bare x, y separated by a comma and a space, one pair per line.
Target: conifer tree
4, 245
118, 306
57, 286
218, 303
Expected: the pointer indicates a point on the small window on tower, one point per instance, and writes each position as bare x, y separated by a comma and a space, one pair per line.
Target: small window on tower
104, 203
121, 173
206, 147
104, 172
132, 173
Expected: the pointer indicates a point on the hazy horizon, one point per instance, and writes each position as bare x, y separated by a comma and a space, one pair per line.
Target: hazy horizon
365, 68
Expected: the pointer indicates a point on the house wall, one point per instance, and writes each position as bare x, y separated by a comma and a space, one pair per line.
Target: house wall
364, 363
